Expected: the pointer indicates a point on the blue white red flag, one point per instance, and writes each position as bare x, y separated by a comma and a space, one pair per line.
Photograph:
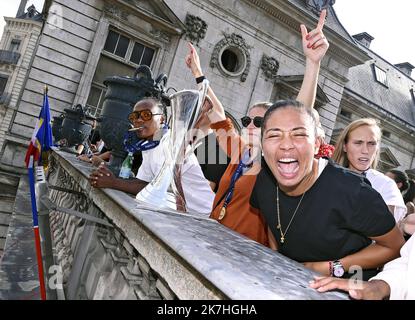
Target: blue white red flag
41, 140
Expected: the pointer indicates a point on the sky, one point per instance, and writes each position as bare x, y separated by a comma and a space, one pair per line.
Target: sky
391, 24
8, 8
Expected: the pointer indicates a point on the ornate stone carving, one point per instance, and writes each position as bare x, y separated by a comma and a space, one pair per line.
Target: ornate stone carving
269, 66
160, 35
195, 28
232, 41
116, 11
317, 5
111, 266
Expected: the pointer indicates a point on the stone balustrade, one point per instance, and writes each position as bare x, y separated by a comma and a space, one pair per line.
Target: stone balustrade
155, 254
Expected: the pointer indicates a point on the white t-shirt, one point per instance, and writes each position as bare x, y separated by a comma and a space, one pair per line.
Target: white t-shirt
197, 191
400, 273
389, 192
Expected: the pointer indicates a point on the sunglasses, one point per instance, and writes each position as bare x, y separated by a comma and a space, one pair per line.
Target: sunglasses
257, 121
145, 115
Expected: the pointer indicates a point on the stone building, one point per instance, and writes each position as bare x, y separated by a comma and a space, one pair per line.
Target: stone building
250, 50
17, 46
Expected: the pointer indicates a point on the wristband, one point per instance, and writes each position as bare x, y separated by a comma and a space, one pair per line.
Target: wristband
200, 79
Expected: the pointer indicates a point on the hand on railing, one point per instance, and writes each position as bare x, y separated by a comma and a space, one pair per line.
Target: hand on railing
102, 177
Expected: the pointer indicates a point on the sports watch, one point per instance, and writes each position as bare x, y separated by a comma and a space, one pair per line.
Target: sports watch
337, 269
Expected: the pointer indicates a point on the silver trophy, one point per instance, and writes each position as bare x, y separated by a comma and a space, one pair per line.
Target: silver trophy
165, 191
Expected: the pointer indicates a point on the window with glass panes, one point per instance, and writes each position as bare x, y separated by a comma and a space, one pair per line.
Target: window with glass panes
3, 83
141, 54
96, 99
380, 75
124, 56
15, 45
130, 50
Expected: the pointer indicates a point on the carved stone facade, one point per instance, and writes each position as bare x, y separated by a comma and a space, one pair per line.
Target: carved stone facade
71, 51
160, 35
195, 28
18, 42
269, 67
96, 262
115, 11
73, 59
233, 42
318, 5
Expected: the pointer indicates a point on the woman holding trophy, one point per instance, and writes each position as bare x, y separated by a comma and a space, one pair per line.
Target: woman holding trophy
231, 205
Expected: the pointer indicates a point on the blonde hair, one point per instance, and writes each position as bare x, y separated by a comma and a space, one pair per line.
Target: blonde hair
340, 156
320, 131
263, 105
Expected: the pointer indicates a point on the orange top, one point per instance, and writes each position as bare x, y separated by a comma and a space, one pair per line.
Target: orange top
240, 216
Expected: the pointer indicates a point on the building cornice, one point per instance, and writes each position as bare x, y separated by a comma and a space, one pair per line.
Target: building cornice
14, 21
355, 101
343, 51
175, 26
293, 16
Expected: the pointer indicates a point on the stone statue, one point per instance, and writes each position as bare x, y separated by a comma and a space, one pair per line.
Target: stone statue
270, 67
320, 4
195, 28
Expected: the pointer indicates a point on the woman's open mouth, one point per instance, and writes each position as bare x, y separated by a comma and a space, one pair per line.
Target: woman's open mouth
288, 167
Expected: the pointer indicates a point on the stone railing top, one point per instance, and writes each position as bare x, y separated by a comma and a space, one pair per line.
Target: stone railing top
237, 266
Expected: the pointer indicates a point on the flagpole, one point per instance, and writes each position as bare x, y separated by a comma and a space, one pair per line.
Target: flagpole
36, 230
44, 154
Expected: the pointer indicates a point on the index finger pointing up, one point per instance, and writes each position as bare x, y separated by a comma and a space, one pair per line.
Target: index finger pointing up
191, 47
322, 19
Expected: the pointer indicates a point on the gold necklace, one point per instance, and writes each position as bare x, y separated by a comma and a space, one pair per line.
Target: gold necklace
279, 219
